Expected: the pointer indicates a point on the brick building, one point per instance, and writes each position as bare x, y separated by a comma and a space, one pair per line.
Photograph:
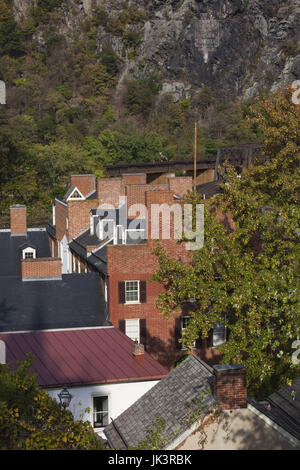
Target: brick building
107, 227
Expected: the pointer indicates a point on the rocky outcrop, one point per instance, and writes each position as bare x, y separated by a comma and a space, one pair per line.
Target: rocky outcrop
236, 47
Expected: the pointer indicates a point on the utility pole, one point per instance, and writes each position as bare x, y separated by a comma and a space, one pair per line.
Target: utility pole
195, 156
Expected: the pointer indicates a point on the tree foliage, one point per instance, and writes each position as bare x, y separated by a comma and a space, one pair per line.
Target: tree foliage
247, 273
31, 420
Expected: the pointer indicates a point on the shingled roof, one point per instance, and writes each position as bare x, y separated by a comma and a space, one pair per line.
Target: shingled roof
283, 408
10, 256
184, 393
77, 300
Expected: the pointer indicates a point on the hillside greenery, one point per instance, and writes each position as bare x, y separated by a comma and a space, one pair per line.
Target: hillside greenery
64, 113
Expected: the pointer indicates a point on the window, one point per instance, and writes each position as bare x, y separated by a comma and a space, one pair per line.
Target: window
219, 334
132, 329
132, 292
100, 411
29, 253
184, 324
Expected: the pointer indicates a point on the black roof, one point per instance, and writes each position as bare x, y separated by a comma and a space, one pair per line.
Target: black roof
77, 300
86, 239
283, 407
10, 249
209, 189
185, 392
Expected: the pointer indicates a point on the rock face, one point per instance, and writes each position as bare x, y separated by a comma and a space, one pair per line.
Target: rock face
236, 47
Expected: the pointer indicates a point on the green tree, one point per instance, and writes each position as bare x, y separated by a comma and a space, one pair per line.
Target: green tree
247, 273
141, 95
31, 420
10, 33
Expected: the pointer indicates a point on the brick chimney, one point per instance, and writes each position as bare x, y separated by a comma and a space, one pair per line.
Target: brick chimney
138, 350
85, 183
18, 222
39, 269
230, 388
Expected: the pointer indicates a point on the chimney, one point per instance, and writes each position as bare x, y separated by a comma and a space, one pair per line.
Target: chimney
18, 222
138, 350
2, 352
85, 183
41, 269
230, 388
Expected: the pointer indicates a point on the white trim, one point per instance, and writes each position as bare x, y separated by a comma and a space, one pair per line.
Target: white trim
40, 229
99, 248
29, 249
271, 423
57, 329
132, 302
137, 321
95, 395
70, 198
61, 202
92, 192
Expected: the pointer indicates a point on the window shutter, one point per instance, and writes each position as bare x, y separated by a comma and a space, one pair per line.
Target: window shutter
178, 332
143, 332
122, 325
199, 342
209, 339
122, 292
143, 294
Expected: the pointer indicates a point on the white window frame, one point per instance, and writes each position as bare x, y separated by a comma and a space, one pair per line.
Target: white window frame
80, 198
96, 395
29, 250
183, 328
135, 321
216, 344
128, 302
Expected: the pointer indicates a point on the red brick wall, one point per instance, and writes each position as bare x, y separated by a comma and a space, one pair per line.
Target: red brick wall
79, 216
230, 387
181, 185
135, 262
18, 222
134, 178
40, 267
109, 190
85, 183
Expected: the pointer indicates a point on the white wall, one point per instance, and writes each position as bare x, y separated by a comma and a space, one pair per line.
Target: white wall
121, 396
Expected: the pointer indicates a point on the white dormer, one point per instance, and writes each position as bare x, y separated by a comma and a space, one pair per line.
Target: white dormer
75, 195
28, 252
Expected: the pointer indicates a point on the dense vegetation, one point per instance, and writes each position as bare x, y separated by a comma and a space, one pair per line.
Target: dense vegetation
65, 114
247, 274
31, 420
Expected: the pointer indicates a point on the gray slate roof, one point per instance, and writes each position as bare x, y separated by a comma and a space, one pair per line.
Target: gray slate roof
209, 189
284, 408
175, 399
10, 249
77, 300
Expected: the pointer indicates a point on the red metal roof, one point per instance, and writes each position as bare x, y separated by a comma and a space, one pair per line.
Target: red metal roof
83, 356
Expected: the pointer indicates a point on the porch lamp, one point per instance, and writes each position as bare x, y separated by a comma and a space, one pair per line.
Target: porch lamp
65, 397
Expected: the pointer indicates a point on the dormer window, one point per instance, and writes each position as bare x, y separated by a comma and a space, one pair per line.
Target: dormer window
28, 252
74, 194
